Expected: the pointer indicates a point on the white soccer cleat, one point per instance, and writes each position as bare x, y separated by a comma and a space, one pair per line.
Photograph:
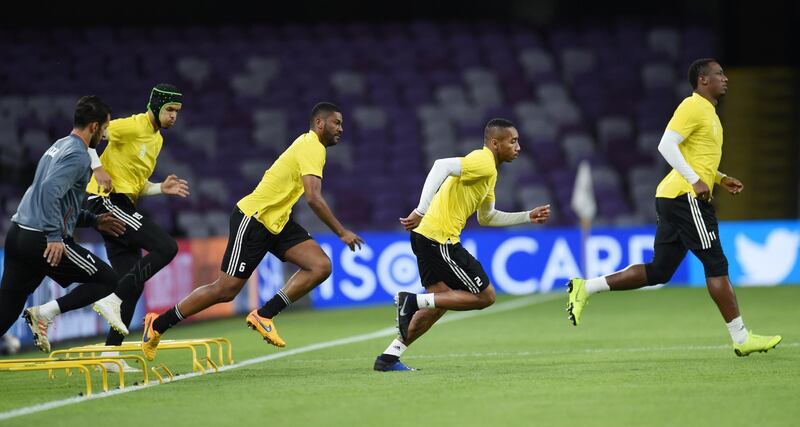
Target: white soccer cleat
39, 325
113, 367
109, 308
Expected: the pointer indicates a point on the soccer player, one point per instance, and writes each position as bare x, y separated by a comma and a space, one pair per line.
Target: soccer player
40, 242
121, 176
261, 222
692, 145
454, 280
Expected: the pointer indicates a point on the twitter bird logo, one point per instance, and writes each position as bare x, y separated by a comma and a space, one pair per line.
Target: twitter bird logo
769, 263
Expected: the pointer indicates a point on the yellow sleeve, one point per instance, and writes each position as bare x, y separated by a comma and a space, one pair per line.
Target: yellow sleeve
685, 120
490, 197
475, 166
119, 130
312, 161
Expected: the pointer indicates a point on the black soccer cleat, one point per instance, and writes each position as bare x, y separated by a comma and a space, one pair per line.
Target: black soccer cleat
384, 366
406, 307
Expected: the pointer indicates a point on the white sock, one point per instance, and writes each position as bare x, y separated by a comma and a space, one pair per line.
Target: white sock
396, 348
425, 301
49, 310
109, 353
737, 330
598, 284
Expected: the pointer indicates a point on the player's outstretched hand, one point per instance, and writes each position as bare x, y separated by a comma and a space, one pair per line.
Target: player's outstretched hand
351, 240
109, 224
103, 179
733, 185
411, 221
540, 214
175, 186
53, 253
701, 190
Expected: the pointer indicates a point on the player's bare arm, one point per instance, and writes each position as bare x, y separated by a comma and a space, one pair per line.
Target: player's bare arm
103, 179
441, 169
100, 174
109, 224
733, 185
411, 221
540, 214
53, 252
312, 186
175, 186
701, 190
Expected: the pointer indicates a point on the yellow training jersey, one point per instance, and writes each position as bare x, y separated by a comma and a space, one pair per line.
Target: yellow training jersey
459, 197
130, 156
282, 184
697, 121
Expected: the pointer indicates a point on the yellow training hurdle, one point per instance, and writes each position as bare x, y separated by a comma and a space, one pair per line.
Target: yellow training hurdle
84, 357
189, 344
50, 364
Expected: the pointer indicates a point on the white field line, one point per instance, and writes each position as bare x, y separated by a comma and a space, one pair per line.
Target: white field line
450, 317
490, 354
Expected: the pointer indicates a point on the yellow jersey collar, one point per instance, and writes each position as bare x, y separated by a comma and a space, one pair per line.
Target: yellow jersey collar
314, 137
491, 155
150, 124
702, 98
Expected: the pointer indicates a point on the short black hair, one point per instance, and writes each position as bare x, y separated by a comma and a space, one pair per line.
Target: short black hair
699, 68
323, 109
494, 125
90, 109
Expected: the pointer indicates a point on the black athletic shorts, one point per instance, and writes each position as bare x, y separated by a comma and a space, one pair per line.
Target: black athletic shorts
140, 231
249, 241
686, 223
25, 265
448, 263
686, 219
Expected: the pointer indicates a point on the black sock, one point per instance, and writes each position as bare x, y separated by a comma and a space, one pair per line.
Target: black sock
275, 305
389, 358
167, 320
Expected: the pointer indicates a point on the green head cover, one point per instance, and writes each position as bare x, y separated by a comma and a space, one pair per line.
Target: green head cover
160, 96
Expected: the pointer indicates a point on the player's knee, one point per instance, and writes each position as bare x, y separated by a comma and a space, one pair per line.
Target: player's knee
226, 291
486, 298
225, 294
657, 274
9, 294
716, 267
106, 279
169, 248
322, 268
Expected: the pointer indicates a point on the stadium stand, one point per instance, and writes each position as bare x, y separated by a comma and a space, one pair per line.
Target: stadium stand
411, 93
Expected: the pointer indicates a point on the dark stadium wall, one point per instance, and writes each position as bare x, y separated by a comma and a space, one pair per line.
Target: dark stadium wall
751, 34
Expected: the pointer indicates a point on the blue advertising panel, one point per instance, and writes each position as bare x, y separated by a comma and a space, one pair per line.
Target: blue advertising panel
760, 253
517, 262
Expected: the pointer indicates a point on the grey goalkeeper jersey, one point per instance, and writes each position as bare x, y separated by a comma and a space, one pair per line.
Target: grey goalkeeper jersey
52, 203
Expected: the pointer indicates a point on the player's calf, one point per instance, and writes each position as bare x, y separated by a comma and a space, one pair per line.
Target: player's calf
406, 307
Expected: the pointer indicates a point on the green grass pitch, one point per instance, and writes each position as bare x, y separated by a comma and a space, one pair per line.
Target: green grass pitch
639, 358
